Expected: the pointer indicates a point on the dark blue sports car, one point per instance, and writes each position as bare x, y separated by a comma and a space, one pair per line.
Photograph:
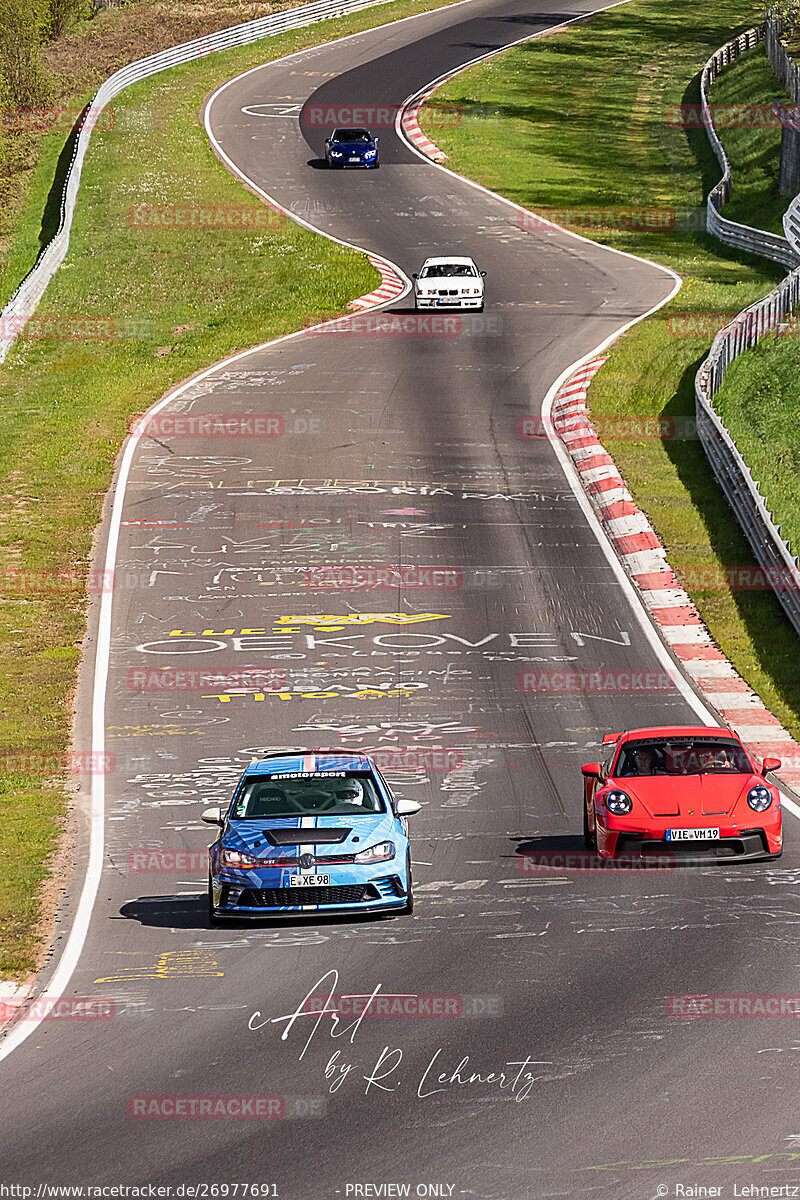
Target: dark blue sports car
351, 148
310, 833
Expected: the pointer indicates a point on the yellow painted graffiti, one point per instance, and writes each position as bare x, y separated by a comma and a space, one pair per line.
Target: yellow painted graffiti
329, 622
120, 731
169, 965
364, 694
325, 622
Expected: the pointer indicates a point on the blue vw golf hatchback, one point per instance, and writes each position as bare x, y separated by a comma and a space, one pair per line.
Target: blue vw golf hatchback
309, 833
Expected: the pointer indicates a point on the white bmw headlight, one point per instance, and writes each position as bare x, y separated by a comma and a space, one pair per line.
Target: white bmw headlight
370, 153
336, 154
619, 803
759, 798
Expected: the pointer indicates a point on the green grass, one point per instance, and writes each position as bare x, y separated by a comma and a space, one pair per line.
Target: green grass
583, 121
745, 92
189, 297
760, 398
760, 403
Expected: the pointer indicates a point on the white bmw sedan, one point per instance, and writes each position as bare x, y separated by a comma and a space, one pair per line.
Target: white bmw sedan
450, 282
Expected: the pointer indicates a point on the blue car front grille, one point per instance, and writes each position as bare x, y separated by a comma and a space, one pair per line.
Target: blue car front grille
286, 897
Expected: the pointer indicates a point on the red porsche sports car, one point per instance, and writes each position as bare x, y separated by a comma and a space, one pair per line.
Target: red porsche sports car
688, 790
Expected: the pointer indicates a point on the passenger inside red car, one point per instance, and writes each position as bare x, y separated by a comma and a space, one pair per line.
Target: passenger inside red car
642, 760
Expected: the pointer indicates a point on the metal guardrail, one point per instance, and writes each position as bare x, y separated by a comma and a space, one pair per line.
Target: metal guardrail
784, 66
791, 224
788, 72
771, 551
25, 299
743, 237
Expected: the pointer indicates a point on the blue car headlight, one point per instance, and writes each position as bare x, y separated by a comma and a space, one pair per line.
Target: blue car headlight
235, 858
337, 154
374, 854
619, 803
370, 153
759, 798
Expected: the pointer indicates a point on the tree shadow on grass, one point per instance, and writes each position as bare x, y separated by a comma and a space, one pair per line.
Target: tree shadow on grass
51, 217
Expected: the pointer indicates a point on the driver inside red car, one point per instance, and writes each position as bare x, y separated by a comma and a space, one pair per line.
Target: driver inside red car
643, 760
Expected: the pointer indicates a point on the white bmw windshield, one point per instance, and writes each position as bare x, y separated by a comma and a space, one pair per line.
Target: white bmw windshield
448, 271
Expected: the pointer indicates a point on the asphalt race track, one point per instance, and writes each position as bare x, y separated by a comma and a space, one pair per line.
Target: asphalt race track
402, 451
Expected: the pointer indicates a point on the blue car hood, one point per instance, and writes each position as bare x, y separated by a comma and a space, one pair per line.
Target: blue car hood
359, 832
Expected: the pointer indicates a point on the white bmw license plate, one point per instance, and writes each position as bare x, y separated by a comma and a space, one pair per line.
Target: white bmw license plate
309, 881
692, 835
354, 158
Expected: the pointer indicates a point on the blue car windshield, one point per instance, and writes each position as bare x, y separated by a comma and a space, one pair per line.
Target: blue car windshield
351, 135
300, 793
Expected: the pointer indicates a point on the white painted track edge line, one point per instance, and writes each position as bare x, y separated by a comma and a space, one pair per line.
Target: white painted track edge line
635, 600
423, 94
405, 282
80, 923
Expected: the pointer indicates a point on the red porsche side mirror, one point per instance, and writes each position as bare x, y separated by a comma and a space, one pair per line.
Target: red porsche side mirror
592, 770
770, 764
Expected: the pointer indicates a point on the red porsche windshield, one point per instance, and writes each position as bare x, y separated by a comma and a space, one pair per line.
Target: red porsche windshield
682, 756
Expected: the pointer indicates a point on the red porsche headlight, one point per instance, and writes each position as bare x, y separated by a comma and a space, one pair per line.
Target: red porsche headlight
619, 803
